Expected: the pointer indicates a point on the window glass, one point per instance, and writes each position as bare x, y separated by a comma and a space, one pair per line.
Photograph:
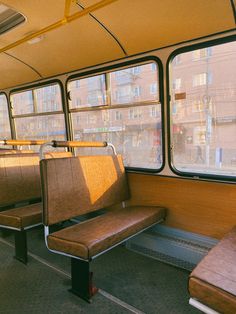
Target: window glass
41, 127
22, 103
135, 132
203, 110
38, 100
87, 92
5, 130
132, 85
29, 108
48, 99
131, 120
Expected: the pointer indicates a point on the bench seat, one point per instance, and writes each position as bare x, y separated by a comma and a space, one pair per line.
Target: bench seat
22, 217
86, 184
213, 281
89, 238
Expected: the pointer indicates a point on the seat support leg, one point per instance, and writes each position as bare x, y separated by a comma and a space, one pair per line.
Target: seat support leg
81, 279
21, 246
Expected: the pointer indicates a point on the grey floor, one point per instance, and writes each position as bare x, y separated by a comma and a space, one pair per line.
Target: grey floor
128, 283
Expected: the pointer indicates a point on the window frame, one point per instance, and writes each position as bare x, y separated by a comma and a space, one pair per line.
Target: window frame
31, 87
9, 114
191, 48
116, 67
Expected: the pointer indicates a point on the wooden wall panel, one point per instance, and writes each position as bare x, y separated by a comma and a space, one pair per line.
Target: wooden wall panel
207, 208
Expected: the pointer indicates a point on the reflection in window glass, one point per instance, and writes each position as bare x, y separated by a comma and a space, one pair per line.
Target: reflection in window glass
5, 131
137, 138
204, 111
87, 92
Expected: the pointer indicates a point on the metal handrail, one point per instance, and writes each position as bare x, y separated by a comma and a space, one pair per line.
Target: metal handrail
74, 144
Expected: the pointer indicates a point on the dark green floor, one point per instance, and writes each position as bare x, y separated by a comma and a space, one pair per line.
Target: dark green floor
145, 284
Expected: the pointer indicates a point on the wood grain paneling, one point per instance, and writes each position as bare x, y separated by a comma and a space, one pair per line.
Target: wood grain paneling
203, 207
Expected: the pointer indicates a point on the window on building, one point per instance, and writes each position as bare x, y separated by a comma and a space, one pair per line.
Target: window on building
201, 79
118, 115
29, 108
154, 111
203, 129
135, 113
177, 83
202, 53
124, 117
5, 130
137, 91
153, 88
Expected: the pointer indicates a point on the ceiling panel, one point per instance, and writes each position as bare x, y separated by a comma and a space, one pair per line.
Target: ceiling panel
76, 45
138, 25
39, 14
14, 72
146, 25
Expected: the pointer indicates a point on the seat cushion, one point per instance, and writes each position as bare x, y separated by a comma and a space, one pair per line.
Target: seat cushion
22, 217
93, 236
213, 281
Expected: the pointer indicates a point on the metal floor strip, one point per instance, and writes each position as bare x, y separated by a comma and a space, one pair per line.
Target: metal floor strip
107, 295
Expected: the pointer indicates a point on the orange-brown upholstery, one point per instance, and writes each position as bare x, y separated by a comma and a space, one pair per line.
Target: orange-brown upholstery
91, 237
78, 185
213, 281
22, 217
20, 182
20, 177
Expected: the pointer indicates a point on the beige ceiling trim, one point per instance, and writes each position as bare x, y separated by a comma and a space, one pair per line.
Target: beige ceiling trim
106, 29
32, 68
60, 23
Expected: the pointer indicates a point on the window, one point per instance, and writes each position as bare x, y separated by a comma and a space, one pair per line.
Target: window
202, 79
135, 113
5, 130
123, 118
136, 70
90, 92
153, 88
29, 108
154, 112
202, 53
177, 83
205, 123
118, 115
137, 91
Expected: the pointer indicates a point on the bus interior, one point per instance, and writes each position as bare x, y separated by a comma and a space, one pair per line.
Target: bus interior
118, 136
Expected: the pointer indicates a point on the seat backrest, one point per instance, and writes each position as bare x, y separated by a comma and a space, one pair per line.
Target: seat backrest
20, 177
81, 184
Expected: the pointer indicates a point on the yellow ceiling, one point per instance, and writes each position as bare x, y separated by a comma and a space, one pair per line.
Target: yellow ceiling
131, 27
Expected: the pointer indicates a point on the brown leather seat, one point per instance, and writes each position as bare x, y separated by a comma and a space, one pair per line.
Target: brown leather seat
22, 217
80, 185
20, 177
89, 238
213, 281
20, 182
